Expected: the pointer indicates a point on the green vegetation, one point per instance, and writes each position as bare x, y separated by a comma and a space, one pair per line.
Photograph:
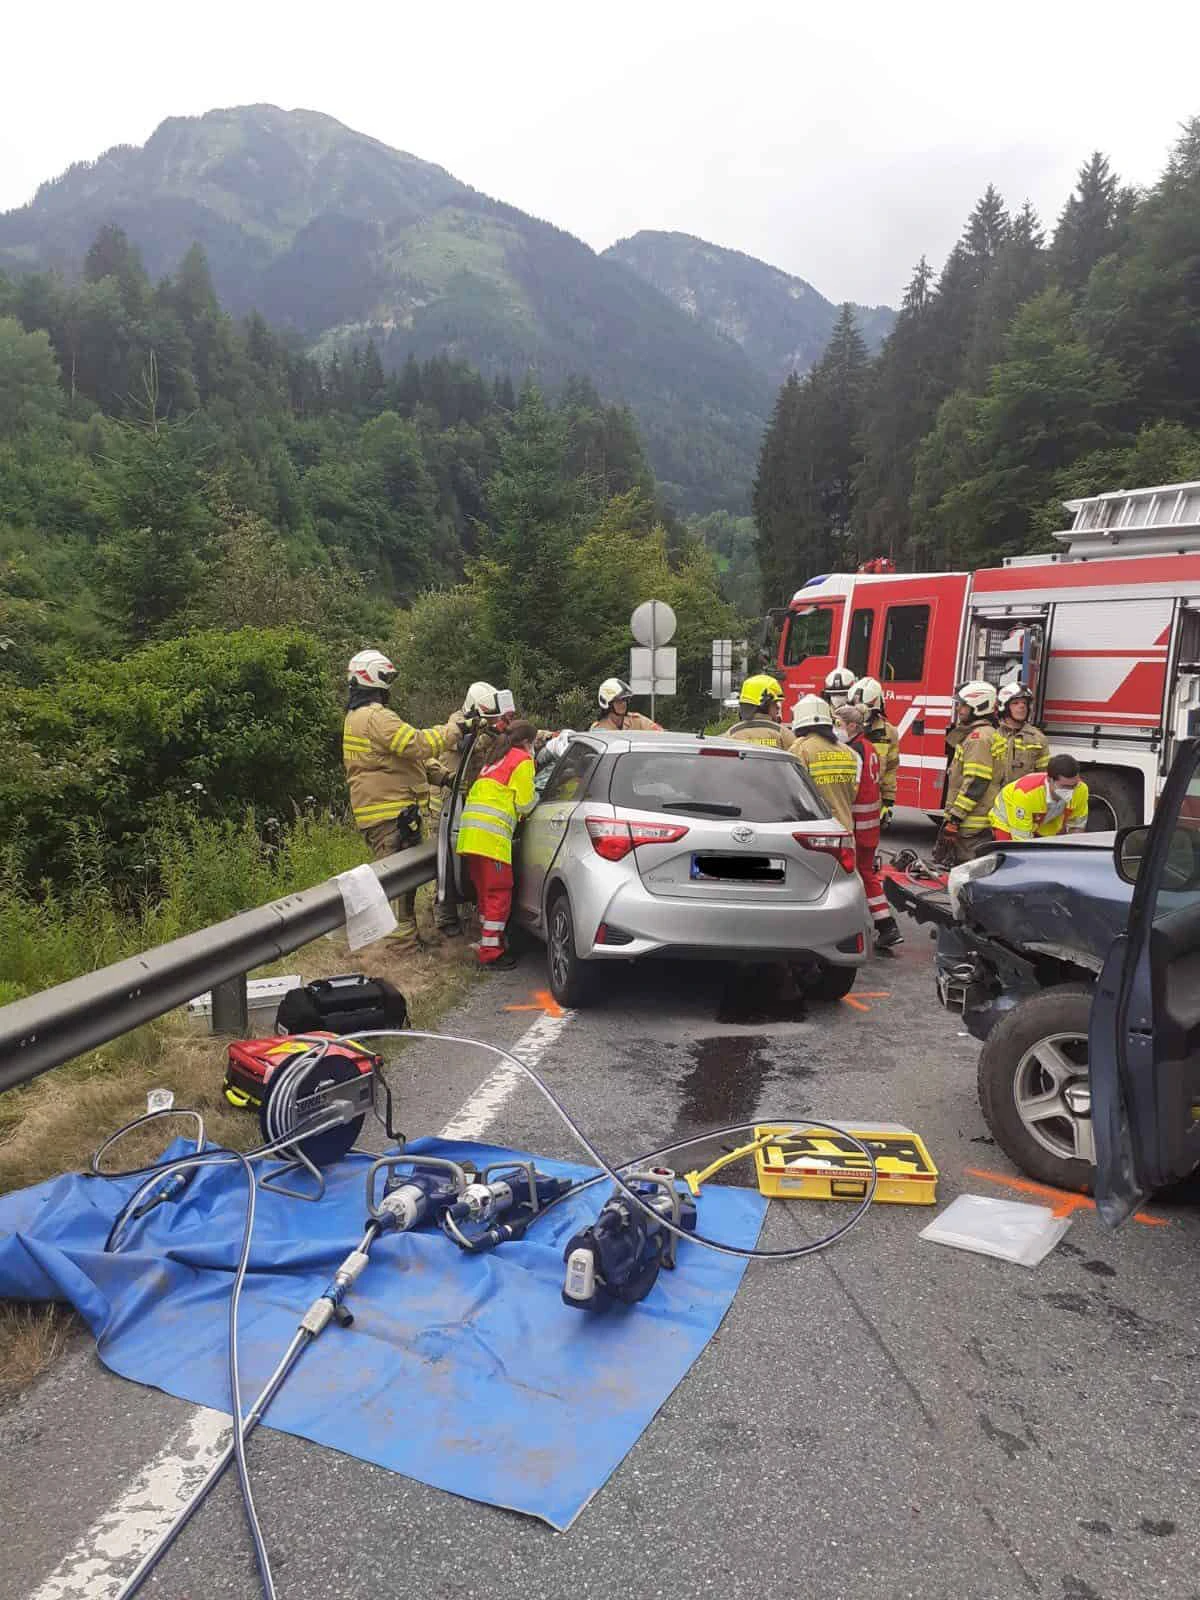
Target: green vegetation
781, 322
199, 523
347, 242
1028, 373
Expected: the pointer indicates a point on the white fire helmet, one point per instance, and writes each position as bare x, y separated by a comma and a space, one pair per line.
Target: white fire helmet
810, 711
979, 696
868, 693
371, 669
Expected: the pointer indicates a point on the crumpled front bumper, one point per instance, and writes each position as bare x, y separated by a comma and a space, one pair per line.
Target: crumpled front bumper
981, 981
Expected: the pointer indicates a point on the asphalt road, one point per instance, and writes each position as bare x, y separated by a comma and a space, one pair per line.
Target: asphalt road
891, 1417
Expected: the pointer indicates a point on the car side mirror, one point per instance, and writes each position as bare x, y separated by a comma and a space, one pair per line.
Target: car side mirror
1128, 851
1181, 870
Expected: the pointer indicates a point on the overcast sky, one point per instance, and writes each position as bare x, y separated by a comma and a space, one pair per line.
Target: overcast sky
836, 141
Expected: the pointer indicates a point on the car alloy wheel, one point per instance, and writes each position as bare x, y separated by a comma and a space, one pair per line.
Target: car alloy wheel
1053, 1098
560, 943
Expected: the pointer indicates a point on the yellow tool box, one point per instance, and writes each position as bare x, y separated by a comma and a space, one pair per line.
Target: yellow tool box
816, 1165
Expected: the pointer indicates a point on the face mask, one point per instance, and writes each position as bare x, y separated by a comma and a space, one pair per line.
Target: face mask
1063, 796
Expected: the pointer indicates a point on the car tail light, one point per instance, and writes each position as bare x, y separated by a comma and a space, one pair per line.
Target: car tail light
615, 840
830, 844
730, 755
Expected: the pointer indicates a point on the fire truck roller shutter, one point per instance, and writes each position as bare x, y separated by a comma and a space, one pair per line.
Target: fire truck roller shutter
1107, 668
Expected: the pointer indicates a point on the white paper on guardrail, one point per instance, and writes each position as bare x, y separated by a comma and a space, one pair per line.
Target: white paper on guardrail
368, 914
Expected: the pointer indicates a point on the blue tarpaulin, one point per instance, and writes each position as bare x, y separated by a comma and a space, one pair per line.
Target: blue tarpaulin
465, 1372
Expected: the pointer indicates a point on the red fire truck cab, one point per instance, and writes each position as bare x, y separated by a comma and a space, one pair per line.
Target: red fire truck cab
1105, 632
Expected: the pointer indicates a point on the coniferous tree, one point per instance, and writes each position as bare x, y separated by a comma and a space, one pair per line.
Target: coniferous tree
1091, 223
899, 407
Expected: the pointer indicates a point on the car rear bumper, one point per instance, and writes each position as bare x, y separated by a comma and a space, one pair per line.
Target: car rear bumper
834, 929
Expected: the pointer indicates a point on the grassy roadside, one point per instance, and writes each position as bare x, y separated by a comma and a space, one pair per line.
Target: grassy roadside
53, 1124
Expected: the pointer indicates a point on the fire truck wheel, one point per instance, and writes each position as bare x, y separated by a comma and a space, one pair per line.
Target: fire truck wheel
1111, 801
1033, 1087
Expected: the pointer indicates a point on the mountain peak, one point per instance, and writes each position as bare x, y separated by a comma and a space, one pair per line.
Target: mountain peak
781, 322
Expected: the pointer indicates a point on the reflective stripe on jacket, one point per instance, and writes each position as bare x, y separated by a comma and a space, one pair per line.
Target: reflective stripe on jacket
502, 792
762, 730
385, 761
1020, 751
865, 810
833, 768
973, 778
1026, 809
886, 740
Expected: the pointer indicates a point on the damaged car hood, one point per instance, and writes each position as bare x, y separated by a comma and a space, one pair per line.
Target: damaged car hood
1050, 897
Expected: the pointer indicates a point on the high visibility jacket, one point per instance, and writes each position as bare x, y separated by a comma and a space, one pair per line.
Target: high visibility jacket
865, 810
974, 781
762, 730
833, 768
886, 740
385, 761
632, 722
441, 771
1026, 809
500, 794
1021, 750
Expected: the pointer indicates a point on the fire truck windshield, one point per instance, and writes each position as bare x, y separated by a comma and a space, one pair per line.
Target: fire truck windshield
809, 633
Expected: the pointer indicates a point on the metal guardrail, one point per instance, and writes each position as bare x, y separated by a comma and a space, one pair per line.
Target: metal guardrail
44, 1030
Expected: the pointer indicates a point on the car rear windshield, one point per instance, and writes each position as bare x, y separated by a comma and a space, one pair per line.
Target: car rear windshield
748, 787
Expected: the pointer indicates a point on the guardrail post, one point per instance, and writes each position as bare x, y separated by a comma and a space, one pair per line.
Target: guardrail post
229, 1008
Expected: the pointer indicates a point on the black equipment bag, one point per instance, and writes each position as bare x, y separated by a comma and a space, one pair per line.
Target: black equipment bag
351, 1003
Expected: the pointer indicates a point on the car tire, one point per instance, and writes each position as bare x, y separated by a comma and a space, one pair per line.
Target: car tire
570, 981
830, 983
1020, 1064
1111, 801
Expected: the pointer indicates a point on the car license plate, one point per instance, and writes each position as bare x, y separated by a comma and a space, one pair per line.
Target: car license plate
711, 867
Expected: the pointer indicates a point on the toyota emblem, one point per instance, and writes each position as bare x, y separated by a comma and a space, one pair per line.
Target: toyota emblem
742, 834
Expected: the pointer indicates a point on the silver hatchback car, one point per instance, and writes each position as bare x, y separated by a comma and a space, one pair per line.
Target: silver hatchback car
669, 844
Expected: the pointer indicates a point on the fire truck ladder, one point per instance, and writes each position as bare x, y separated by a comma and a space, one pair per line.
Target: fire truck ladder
1134, 522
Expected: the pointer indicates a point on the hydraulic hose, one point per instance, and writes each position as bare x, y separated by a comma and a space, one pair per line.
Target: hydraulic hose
281, 1137
792, 1253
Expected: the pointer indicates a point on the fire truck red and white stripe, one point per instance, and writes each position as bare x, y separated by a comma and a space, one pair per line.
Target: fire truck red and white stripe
1106, 632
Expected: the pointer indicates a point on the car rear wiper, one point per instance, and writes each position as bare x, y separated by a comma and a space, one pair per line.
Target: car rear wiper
711, 808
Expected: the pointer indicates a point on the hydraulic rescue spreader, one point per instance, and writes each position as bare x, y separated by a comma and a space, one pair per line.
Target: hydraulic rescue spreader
618, 1257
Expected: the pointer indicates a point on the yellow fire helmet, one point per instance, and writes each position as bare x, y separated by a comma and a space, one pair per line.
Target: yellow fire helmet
760, 690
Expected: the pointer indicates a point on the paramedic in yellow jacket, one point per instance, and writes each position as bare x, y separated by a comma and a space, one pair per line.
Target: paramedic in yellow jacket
760, 705
385, 761
832, 765
501, 795
1041, 805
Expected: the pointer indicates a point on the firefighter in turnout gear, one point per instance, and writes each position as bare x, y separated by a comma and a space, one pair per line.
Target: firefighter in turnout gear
760, 706
499, 797
613, 698
868, 693
973, 780
838, 685
385, 759
1020, 747
853, 721
832, 767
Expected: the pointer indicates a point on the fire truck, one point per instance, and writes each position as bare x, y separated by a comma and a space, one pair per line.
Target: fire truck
1106, 632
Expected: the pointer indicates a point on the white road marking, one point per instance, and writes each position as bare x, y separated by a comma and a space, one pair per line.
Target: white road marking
478, 1113
141, 1514
117, 1541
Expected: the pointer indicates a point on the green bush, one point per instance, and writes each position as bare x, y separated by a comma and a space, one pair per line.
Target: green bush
218, 722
